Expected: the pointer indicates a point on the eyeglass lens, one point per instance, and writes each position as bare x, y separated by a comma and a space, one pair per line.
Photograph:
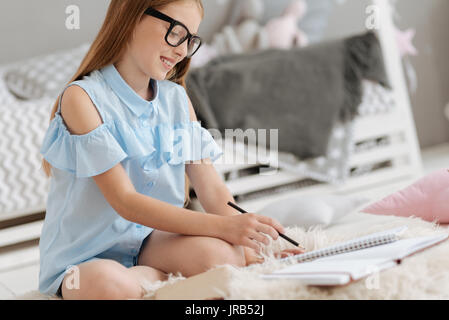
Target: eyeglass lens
178, 35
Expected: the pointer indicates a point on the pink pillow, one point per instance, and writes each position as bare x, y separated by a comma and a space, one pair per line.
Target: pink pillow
428, 198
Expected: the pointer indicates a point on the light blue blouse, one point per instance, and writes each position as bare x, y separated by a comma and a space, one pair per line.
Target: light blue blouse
151, 139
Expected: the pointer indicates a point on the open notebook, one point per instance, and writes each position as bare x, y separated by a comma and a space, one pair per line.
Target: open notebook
354, 260
361, 257
372, 240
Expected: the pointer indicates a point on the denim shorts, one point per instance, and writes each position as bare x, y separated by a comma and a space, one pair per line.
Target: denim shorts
128, 262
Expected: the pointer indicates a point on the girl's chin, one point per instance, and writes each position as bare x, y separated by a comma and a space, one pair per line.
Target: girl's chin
160, 76
159, 73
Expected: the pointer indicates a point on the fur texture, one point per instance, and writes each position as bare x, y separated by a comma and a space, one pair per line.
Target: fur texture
422, 276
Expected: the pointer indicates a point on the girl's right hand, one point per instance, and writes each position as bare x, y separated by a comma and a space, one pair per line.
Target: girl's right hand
245, 230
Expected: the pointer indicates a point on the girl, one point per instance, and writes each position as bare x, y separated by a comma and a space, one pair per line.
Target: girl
116, 215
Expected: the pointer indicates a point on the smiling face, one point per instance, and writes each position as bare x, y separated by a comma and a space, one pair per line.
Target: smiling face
148, 48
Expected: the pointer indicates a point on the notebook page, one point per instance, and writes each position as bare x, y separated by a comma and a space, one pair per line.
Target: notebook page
330, 271
316, 280
371, 240
393, 251
316, 272
397, 231
426, 242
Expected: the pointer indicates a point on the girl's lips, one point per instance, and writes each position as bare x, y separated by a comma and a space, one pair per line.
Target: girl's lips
171, 60
168, 67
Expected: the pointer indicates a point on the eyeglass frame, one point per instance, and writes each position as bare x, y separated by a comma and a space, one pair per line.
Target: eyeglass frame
173, 23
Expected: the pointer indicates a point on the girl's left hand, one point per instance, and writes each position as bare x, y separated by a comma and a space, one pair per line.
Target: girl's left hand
252, 257
288, 253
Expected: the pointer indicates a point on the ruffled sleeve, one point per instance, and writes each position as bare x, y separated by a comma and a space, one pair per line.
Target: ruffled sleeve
83, 155
101, 149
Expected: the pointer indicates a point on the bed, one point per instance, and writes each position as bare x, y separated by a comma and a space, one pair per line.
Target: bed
377, 157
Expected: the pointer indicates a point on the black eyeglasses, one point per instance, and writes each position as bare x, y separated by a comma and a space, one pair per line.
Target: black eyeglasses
177, 33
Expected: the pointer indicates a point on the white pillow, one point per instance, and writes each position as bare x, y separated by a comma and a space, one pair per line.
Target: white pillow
44, 75
309, 211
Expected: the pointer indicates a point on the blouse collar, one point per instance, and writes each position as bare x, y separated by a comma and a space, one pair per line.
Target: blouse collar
136, 103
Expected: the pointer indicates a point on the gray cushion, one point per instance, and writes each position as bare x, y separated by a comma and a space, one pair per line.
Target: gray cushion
334, 167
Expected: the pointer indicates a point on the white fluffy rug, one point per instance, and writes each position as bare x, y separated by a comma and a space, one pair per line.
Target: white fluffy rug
422, 276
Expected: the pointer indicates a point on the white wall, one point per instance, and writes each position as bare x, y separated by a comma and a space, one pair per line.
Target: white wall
429, 18
30, 28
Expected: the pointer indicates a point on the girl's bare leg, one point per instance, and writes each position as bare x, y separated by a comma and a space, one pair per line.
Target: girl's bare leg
190, 255
107, 279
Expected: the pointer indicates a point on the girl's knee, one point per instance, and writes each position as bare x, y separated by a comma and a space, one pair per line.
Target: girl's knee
102, 279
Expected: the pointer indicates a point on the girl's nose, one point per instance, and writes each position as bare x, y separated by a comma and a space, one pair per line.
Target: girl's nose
182, 49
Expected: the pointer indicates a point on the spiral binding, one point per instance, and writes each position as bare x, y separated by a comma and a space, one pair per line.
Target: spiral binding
347, 247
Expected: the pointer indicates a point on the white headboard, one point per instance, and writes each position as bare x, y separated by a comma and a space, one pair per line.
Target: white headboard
395, 72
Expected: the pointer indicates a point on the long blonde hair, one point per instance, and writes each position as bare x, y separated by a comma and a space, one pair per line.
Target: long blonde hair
120, 22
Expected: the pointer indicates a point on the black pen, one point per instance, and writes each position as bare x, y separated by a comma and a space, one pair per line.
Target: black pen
280, 234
